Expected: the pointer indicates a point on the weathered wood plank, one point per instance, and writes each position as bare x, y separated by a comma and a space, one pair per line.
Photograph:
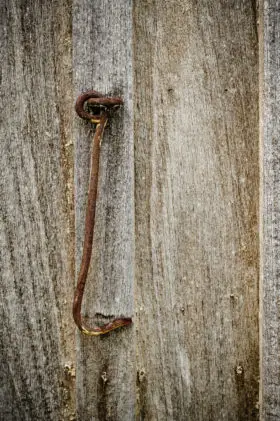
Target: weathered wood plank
270, 210
102, 60
196, 162
37, 347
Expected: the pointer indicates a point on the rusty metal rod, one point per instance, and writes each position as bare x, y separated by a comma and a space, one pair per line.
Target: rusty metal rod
100, 120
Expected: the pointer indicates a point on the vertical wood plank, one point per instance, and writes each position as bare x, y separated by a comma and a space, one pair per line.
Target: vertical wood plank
270, 210
36, 234
102, 60
196, 192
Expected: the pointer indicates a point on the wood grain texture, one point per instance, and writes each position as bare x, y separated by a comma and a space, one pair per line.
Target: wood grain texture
193, 351
36, 252
270, 211
102, 60
196, 193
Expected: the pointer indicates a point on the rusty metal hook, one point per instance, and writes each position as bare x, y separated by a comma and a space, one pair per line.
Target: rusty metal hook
96, 99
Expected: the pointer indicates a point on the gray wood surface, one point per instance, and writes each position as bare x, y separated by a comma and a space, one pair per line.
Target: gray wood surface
188, 73
36, 209
102, 60
270, 210
196, 194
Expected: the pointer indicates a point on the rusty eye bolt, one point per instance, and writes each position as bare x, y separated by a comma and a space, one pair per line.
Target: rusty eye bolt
97, 100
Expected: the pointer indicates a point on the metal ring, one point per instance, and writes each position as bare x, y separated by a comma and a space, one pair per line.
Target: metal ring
95, 98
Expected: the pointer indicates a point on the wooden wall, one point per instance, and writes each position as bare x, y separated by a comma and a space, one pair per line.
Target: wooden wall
177, 234
270, 210
196, 194
102, 60
37, 230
